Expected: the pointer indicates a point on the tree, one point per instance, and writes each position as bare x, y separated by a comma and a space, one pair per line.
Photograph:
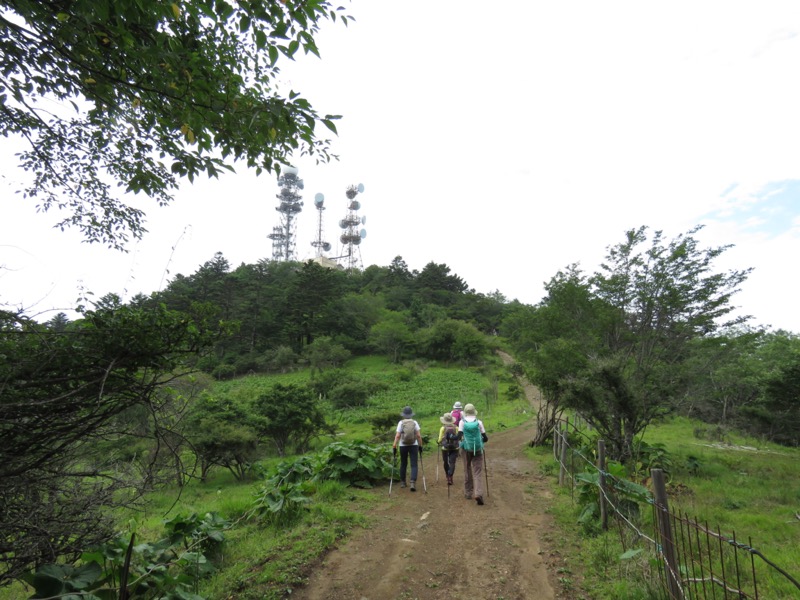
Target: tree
289, 415
147, 92
725, 375
324, 353
355, 315
552, 340
391, 335
776, 411
452, 340
436, 285
221, 432
782, 401
650, 304
63, 394
615, 346
311, 301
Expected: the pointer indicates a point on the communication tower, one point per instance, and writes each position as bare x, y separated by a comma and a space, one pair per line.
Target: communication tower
290, 205
319, 244
351, 236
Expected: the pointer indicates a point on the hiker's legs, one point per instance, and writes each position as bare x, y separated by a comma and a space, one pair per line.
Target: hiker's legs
444, 461
404, 462
477, 474
467, 456
412, 451
450, 464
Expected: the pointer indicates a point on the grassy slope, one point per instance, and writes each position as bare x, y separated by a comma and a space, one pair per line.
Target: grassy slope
755, 494
264, 563
739, 485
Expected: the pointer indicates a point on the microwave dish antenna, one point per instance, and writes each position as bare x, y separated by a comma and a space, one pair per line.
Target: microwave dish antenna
290, 203
351, 237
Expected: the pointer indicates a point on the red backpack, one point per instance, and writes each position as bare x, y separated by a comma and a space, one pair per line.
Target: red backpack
457, 415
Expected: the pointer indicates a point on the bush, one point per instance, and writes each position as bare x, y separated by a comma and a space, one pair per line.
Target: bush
221, 372
322, 383
352, 394
383, 424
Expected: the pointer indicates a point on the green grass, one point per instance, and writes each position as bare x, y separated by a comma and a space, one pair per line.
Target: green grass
731, 483
262, 562
752, 493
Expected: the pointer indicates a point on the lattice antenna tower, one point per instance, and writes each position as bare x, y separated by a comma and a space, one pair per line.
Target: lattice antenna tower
351, 236
319, 243
289, 206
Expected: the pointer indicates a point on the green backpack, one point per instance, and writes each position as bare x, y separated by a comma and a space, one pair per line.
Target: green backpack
472, 442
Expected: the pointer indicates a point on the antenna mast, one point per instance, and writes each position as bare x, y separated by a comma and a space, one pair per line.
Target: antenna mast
318, 243
351, 237
283, 235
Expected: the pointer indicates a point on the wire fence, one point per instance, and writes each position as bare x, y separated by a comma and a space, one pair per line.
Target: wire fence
694, 560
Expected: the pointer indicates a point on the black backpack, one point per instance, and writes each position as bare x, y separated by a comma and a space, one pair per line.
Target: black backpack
450, 439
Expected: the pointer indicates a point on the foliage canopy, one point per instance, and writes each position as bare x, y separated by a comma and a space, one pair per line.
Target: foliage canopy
140, 93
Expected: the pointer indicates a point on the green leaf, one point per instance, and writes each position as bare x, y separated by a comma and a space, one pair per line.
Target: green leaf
330, 125
630, 554
261, 42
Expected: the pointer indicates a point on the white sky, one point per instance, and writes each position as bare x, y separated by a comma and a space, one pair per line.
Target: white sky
505, 140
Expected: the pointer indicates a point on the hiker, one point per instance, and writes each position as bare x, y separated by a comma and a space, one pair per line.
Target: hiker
456, 412
472, 437
448, 440
410, 440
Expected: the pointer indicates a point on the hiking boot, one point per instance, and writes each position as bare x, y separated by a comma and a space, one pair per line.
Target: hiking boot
479, 500
402, 484
413, 486
449, 480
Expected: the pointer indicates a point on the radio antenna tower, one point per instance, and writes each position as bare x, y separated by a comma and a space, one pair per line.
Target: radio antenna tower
351, 237
318, 243
283, 235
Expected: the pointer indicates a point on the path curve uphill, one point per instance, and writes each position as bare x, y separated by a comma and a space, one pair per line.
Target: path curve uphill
430, 545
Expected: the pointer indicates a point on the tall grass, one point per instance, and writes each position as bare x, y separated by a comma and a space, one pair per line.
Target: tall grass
729, 482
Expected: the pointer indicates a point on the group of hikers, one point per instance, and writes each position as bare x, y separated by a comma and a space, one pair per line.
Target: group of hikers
462, 433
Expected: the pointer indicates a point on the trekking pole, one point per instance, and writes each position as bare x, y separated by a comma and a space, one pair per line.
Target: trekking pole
391, 479
448, 482
422, 468
486, 471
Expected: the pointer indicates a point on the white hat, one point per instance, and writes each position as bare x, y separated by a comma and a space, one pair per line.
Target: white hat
457, 406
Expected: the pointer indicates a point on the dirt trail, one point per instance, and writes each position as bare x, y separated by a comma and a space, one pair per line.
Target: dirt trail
428, 545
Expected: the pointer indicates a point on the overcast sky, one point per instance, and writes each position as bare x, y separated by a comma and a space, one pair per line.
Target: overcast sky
505, 140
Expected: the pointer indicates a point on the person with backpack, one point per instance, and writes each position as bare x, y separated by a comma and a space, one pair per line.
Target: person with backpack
472, 437
456, 412
448, 440
409, 438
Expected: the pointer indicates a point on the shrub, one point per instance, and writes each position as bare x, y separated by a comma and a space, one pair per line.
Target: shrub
224, 371
354, 393
383, 424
